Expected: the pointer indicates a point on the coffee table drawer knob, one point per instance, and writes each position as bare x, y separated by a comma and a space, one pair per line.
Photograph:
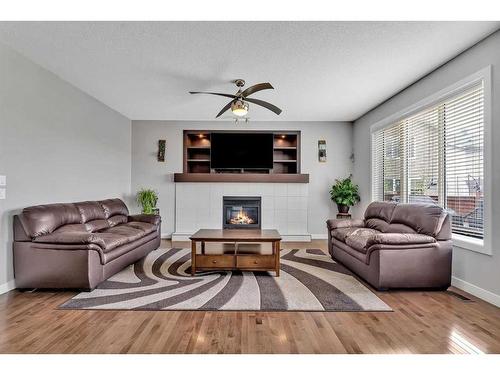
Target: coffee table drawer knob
255, 262
214, 261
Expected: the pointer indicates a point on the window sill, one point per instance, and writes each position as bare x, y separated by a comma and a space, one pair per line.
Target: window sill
469, 243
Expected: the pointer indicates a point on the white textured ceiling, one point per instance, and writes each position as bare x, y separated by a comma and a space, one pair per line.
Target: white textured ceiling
320, 70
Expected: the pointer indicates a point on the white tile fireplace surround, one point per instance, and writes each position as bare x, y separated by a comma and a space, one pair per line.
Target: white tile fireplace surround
284, 207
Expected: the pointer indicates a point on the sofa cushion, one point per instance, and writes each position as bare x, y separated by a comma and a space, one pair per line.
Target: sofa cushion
145, 227
106, 241
90, 211
110, 241
96, 225
359, 239
72, 228
377, 224
126, 231
44, 219
423, 218
109, 256
399, 239
114, 207
342, 233
117, 219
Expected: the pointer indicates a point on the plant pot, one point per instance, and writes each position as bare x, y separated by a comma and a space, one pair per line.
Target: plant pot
342, 209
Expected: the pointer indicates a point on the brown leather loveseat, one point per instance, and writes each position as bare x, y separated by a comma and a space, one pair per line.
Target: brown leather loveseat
396, 245
79, 245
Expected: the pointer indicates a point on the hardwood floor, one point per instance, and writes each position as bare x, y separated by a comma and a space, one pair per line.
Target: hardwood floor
422, 322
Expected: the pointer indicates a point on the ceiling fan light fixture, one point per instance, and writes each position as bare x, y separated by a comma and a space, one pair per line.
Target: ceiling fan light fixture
239, 108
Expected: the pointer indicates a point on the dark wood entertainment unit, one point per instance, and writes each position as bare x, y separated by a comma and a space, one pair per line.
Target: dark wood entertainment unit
197, 168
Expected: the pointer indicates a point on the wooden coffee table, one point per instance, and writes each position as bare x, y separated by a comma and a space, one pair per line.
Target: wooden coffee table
235, 259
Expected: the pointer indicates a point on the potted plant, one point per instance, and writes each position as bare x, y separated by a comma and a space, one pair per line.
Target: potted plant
345, 193
147, 199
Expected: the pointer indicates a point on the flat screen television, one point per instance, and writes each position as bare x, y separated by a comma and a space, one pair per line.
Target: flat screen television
241, 150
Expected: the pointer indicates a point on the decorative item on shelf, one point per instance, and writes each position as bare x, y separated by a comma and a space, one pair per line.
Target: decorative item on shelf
322, 151
345, 194
147, 199
161, 149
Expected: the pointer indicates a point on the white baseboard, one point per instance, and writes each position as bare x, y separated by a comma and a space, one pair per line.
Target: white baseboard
179, 236
8, 286
284, 238
296, 238
166, 236
476, 291
321, 236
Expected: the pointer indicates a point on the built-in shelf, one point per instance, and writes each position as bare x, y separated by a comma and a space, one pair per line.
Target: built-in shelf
242, 177
286, 158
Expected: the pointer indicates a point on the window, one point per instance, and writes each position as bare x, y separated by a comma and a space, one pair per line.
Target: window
436, 156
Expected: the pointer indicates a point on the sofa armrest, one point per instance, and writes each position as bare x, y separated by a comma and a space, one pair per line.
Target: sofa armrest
145, 218
402, 239
344, 223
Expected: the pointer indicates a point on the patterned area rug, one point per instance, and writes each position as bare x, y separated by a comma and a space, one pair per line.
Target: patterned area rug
310, 281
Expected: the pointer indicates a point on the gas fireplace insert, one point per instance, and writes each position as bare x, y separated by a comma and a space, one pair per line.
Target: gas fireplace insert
241, 213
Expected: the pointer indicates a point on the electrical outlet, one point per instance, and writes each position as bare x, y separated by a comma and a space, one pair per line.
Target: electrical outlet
3, 180
2, 193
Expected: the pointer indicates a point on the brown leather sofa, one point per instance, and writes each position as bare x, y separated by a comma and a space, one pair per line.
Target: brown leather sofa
396, 245
79, 245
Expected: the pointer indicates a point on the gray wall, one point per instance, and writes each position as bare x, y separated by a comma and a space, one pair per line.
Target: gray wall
480, 270
147, 172
56, 144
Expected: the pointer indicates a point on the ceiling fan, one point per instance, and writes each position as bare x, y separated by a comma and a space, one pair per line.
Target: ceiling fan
239, 101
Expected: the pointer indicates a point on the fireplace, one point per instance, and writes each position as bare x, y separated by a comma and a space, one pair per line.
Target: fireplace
241, 212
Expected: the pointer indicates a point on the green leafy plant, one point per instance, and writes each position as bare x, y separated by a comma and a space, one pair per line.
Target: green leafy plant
345, 193
147, 199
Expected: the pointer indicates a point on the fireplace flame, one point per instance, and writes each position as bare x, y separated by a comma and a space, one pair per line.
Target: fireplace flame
241, 218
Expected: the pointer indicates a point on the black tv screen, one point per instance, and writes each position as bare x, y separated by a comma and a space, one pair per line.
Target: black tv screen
241, 150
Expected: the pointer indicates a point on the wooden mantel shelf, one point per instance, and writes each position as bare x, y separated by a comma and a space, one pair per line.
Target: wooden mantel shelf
241, 177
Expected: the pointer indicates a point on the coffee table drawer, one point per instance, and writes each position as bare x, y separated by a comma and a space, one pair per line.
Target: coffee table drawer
255, 261
214, 261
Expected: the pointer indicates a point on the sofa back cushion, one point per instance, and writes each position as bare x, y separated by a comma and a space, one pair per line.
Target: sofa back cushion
90, 216
90, 211
117, 219
96, 225
380, 210
44, 219
378, 215
114, 207
422, 218
391, 217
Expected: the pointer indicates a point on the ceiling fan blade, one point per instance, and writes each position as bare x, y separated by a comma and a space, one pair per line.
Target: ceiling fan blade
226, 107
255, 88
264, 104
214, 93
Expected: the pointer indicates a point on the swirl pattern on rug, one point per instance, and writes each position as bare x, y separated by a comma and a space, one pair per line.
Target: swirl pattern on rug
309, 281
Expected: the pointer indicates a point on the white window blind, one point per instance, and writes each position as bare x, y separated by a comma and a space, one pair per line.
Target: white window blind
436, 156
